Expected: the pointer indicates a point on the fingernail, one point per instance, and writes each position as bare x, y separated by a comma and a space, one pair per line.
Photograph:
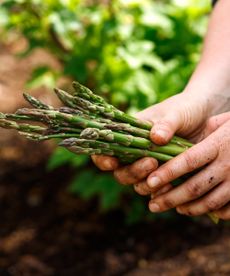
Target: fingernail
154, 181
162, 133
154, 207
107, 164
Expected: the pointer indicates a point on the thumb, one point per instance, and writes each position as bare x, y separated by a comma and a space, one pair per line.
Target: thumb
164, 128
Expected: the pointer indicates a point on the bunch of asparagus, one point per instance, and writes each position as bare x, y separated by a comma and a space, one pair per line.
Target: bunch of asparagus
87, 124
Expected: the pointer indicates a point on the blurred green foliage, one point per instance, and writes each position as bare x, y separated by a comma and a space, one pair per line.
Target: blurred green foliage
134, 53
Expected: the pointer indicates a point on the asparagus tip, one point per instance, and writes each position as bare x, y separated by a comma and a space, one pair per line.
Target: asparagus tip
67, 142
2, 115
215, 219
26, 95
76, 84
90, 133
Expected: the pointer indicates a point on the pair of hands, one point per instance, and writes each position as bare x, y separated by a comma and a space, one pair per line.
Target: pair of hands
206, 191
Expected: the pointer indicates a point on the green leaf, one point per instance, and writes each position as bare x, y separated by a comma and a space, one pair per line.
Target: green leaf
43, 76
62, 156
90, 183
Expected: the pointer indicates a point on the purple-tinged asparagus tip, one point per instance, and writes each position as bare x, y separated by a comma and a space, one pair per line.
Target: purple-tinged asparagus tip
68, 142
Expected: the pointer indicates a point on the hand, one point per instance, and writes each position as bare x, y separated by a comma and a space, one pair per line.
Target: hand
209, 189
181, 113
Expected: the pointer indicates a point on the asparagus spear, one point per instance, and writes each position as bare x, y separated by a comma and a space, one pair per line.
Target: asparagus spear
67, 100
38, 137
85, 105
22, 127
59, 117
118, 150
129, 140
108, 110
35, 102
103, 121
114, 113
97, 130
90, 151
85, 93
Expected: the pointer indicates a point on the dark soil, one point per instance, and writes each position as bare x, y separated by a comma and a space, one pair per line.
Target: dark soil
44, 230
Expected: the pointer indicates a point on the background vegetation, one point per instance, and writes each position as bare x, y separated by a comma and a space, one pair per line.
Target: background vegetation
134, 53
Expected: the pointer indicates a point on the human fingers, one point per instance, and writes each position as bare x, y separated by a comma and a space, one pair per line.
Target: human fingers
214, 200
165, 121
188, 161
105, 163
143, 189
164, 128
193, 188
213, 124
135, 172
224, 212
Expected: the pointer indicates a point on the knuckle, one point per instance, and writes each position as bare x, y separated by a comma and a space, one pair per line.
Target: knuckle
194, 189
211, 124
213, 204
119, 177
168, 203
169, 173
135, 172
226, 168
140, 190
215, 145
190, 160
164, 124
126, 175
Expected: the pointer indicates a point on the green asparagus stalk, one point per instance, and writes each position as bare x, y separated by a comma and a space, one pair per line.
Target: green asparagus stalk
35, 102
22, 127
39, 138
74, 119
118, 150
108, 110
60, 117
75, 102
86, 93
67, 100
93, 151
114, 113
69, 110
129, 140
90, 151
89, 125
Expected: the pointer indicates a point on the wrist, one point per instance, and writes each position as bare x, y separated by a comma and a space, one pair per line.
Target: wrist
213, 94
199, 102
